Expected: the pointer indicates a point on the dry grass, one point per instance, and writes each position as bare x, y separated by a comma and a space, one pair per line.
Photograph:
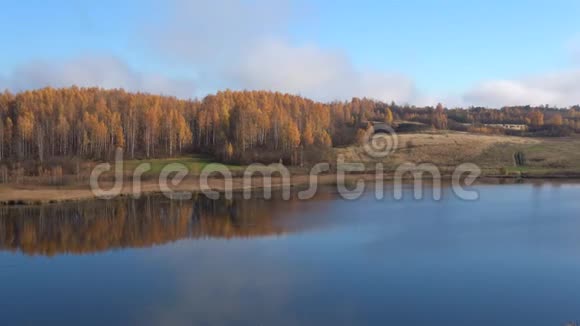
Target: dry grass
443, 149
547, 156
494, 154
19, 195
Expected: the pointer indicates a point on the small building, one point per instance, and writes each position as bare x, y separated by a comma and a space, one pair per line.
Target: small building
507, 126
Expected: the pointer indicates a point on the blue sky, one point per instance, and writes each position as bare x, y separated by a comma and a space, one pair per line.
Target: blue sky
446, 44
460, 52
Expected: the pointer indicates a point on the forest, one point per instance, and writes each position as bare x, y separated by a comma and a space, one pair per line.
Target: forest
54, 125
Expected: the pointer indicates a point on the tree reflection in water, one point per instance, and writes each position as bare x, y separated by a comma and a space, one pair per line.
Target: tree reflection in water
94, 226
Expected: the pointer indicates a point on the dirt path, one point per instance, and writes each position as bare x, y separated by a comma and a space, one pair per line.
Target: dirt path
23, 195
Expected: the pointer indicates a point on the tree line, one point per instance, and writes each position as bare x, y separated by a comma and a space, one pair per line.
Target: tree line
90, 123
234, 126
534, 117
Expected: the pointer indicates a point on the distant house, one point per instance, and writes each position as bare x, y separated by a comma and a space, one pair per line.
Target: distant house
507, 126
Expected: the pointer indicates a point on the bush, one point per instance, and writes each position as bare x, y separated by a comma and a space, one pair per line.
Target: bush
551, 131
486, 130
520, 159
456, 126
412, 127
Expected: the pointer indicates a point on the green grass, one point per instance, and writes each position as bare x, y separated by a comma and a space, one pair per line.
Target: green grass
542, 170
536, 148
528, 169
194, 164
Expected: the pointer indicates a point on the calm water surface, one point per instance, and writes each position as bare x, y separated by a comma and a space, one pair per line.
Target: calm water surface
511, 258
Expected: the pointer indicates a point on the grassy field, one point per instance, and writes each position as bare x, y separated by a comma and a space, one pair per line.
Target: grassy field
548, 156
494, 154
194, 164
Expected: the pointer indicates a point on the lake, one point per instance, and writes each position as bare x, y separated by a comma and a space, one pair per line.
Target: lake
510, 258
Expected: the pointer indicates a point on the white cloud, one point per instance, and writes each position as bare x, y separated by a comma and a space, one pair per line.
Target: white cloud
559, 88
211, 31
387, 87
314, 72
246, 45
92, 70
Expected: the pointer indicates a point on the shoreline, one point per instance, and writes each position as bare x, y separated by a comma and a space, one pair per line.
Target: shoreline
28, 195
